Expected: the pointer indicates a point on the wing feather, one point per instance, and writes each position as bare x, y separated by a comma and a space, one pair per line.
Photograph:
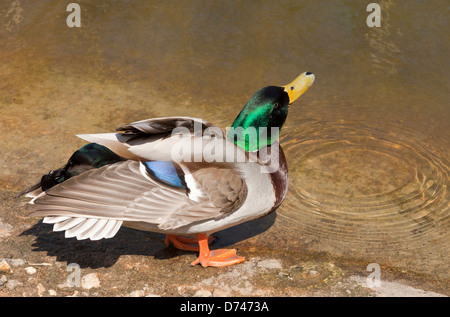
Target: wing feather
67, 224
120, 192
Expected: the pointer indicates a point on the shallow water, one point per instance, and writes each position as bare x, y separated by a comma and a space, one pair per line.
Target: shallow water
367, 145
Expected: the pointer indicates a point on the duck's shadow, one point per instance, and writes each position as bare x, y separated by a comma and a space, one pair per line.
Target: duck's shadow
106, 252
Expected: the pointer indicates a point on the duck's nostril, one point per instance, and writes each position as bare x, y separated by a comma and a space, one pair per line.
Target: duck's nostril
309, 73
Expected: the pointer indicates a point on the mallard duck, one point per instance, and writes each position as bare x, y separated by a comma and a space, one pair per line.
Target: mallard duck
180, 176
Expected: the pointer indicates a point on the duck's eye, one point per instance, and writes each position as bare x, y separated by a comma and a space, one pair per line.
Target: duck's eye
276, 106
291, 88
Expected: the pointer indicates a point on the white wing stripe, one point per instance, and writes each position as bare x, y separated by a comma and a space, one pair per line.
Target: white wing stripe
114, 230
67, 224
82, 227
105, 230
98, 225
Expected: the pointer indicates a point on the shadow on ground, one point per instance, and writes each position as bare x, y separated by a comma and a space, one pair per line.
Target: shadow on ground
106, 252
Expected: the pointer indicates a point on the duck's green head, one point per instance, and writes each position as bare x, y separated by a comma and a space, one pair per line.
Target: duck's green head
260, 121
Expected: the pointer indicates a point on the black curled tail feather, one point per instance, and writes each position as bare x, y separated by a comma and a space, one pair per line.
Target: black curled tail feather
47, 181
89, 156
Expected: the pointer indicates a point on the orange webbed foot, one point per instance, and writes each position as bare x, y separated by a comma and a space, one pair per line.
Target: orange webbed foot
216, 258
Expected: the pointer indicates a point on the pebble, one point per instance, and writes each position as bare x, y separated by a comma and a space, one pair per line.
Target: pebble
5, 268
12, 284
3, 280
139, 293
13, 262
5, 229
90, 281
202, 293
30, 270
16, 262
270, 264
40, 289
52, 292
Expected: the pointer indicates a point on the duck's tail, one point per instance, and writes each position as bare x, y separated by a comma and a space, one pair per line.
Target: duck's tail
31, 191
89, 156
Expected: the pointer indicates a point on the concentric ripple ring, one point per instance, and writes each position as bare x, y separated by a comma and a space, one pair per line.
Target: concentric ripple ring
360, 185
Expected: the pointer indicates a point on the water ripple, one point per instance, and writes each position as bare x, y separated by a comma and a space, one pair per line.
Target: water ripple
358, 184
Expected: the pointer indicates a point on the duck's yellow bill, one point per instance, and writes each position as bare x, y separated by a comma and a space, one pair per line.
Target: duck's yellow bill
299, 86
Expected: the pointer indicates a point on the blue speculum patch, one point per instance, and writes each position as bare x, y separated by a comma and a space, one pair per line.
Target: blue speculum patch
164, 171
